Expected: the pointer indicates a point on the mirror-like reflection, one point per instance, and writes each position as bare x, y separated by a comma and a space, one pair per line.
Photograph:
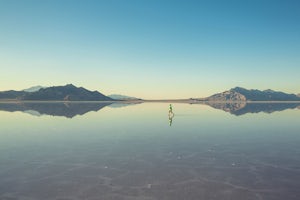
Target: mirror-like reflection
68, 110
171, 114
242, 108
71, 109
132, 153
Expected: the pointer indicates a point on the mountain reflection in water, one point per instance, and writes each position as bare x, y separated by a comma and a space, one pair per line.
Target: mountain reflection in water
71, 109
68, 110
242, 108
132, 152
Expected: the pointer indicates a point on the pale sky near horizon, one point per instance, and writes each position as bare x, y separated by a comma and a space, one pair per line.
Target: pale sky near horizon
152, 49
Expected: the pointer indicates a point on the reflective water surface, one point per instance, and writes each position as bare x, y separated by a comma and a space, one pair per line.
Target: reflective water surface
125, 151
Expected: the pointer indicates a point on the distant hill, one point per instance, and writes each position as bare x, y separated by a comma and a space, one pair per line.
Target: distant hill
122, 97
34, 88
242, 94
57, 93
66, 93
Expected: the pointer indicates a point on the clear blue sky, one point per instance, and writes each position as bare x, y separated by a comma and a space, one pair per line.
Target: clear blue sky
151, 48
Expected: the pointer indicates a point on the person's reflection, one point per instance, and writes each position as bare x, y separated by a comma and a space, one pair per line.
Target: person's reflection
171, 115
171, 119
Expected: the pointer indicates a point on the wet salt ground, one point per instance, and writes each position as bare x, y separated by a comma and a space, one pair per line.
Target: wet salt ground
152, 160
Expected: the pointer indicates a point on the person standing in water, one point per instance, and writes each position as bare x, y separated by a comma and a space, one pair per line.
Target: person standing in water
170, 109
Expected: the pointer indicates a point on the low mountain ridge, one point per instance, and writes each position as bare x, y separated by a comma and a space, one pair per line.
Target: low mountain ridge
242, 94
56, 93
66, 93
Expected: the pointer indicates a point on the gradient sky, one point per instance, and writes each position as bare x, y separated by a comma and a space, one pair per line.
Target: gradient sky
151, 48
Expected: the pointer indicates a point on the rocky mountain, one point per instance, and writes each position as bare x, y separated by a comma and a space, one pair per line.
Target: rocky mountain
242, 94
57, 93
230, 95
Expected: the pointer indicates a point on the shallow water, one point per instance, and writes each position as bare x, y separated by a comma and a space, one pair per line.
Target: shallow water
102, 151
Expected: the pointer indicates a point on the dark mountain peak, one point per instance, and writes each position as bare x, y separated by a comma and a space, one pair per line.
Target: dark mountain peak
70, 85
67, 86
237, 88
243, 90
269, 91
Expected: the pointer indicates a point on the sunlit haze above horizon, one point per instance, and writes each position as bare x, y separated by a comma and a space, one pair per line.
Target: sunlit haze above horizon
155, 49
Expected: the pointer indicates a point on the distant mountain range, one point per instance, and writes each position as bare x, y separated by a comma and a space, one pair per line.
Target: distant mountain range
122, 97
34, 89
242, 94
57, 93
72, 93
